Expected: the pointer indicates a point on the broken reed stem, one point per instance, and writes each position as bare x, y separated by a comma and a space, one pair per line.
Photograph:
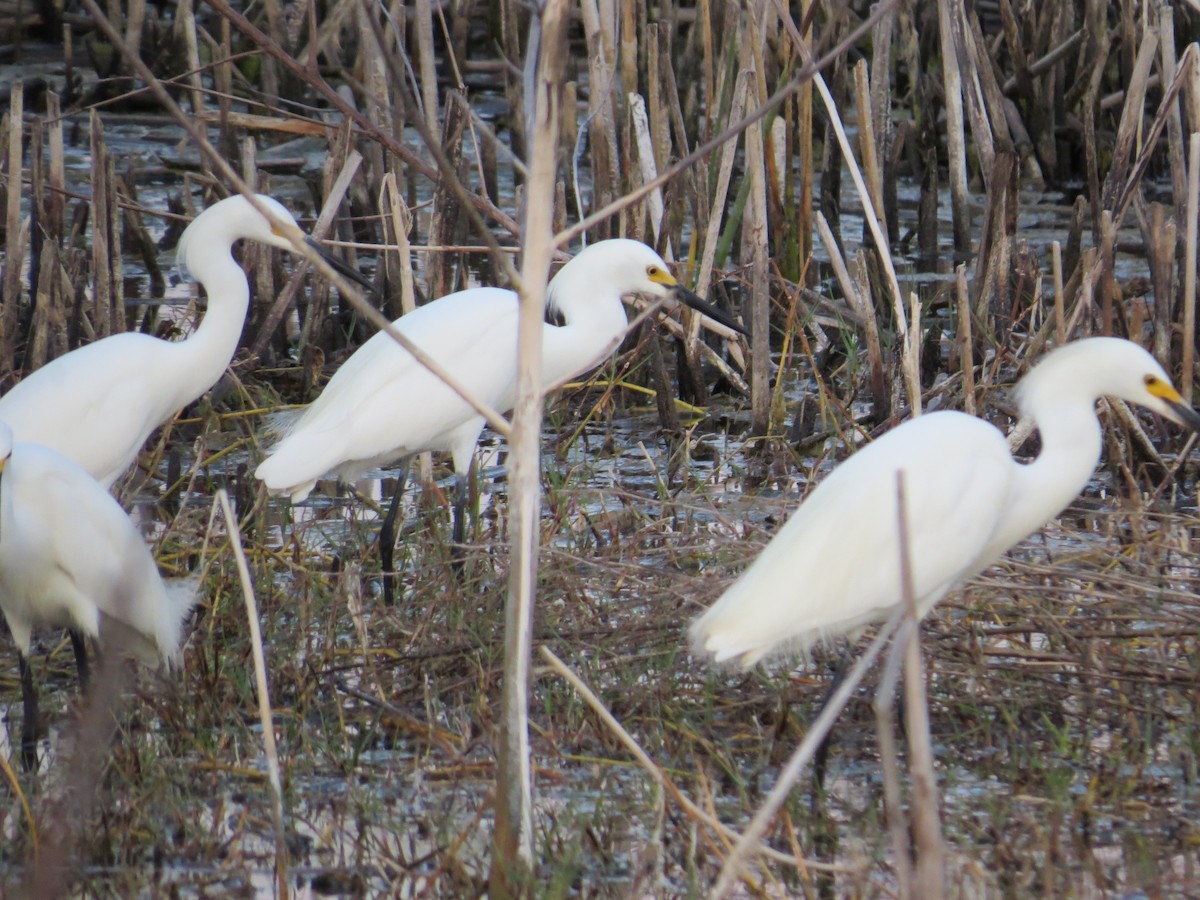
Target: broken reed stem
262, 690
927, 832
512, 847
755, 245
1188, 348
889, 762
754, 832
1060, 302
966, 349
956, 144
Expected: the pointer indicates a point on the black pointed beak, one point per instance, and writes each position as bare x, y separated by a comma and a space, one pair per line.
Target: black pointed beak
348, 272
701, 306
1184, 414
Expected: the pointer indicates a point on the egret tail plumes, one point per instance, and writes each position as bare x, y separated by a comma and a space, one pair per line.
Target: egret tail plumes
834, 567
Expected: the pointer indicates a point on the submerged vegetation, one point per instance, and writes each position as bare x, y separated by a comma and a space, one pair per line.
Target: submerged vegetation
1032, 180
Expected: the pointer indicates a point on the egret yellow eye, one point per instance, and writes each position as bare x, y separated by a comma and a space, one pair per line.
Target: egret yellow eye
1150, 381
652, 271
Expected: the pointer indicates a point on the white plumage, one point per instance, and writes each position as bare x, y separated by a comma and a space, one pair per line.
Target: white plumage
70, 557
835, 565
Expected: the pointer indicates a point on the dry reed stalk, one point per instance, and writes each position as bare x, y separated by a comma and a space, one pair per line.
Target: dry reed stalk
804, 157
912, 383
627, 27
1162, 248
966, 347
444, 228
512, 847
397, 262
927, 834
800, 757
56, 171
1164, 22
1188, 329
755, 246
647, 166
1107, 282
1060, 325
724, 171
969, 59
1129, 129
872, 171
262, 690
985, 70
889, 764
105, 245
13, 249
185, 21
991, 288
378, 99
599, 23
222, 72
426, 64
1149, 142
956, 145
47, 317
881, 118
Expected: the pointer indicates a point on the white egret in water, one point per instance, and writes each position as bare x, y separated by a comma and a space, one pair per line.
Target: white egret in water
835, 565
70, 557
382, 405
97, 404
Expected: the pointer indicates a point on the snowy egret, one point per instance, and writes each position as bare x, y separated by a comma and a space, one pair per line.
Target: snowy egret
71, 557
97, 404
382, 405
835, 565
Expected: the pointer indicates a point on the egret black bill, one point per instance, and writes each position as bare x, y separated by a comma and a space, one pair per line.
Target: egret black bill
701, 306
348, 272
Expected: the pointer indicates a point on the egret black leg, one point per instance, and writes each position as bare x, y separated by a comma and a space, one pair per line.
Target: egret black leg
821, 757
81, 659
462, 496
29, 724
387, 539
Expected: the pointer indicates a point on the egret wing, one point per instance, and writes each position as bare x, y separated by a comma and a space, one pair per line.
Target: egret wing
383, 403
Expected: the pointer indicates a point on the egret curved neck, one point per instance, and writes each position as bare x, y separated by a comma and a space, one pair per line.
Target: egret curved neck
1071, 445
590, 334
215, 339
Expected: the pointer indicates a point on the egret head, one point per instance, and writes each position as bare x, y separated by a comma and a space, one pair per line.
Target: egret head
1103, 367
217, 228
629, 267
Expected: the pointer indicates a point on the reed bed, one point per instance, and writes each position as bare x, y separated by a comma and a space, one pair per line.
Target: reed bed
956, 191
